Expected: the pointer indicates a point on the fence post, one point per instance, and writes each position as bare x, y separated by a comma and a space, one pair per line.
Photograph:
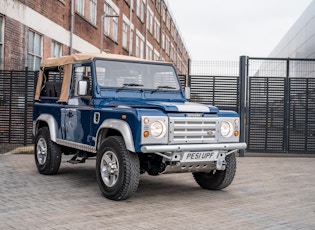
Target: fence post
25, 105
188, 80
286, 107
242, 100
10, 104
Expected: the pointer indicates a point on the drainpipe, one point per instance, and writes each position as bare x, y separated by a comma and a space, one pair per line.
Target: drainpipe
146, 29
71, 25
161, 21
130, 30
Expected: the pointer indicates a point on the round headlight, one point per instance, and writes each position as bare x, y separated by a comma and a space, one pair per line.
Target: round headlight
158, 129
226, 129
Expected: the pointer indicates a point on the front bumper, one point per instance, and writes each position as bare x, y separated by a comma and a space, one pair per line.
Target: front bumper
192, 147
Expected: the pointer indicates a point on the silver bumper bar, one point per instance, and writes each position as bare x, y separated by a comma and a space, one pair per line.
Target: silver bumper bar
192, 147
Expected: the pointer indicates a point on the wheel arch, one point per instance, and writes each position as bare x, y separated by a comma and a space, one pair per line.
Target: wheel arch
112, 127
47, 120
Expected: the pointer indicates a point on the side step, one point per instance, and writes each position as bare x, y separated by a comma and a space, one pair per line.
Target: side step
79, 157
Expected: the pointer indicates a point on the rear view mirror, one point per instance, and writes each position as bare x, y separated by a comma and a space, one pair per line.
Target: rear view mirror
82, 88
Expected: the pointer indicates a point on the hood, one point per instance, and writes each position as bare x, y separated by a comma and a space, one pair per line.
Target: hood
185, 107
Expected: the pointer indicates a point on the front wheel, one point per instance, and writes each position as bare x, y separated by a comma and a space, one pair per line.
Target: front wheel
47, 153
218, 179
117, 169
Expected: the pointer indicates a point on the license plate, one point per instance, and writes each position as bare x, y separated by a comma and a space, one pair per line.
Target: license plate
199, 156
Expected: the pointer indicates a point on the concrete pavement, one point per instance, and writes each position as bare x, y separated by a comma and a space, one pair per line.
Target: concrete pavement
267, 193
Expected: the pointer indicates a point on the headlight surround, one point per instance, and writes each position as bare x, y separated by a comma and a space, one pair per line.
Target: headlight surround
227, 129
154, 130
158, 129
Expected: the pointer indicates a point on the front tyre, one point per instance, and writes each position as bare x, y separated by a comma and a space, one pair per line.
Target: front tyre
117, 169
47, 153
218, 179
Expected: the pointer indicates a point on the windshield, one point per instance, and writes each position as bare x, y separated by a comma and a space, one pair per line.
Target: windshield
144, 76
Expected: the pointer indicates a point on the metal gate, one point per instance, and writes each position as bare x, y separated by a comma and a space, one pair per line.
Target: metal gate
281, 105
16, 103
275, 98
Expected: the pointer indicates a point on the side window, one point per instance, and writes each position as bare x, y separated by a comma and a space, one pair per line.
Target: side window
52, 82
81, 87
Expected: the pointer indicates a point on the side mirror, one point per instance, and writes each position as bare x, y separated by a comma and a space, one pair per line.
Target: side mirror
187, 92
82, 88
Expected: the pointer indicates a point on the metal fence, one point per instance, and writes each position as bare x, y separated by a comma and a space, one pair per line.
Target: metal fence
275, 98
215, 83
16, 103
281, 105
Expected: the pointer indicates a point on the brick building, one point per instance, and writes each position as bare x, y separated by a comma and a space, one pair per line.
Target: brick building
34, 29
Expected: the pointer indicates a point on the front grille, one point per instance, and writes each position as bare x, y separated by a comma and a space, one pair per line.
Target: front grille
192, 130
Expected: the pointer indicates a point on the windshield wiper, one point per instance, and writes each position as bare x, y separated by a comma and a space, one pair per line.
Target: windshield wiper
162, 87
127, 85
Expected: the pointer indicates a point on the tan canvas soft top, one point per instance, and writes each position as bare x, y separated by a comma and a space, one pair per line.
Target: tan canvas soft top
67, 61
64, 60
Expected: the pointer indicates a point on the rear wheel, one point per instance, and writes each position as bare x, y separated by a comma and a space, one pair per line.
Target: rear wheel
47, 153
117, 169
218, 179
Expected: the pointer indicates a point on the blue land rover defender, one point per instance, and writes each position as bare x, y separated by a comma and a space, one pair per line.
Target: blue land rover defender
132, 115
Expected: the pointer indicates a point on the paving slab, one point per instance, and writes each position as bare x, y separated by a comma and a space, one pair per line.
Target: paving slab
267, 193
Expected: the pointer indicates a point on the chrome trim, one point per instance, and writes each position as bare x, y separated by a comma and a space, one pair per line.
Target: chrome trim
76, 145
193, 130
192, 147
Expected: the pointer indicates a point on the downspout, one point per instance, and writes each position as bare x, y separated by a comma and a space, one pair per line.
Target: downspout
161, 21
146, 29
130, 30
71, 25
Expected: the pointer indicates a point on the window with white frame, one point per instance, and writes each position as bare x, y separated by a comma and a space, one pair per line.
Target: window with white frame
163, 13
125, 29
110, 22
158, 5
167, 45
142, 11
140, 8
127, 32
156, 55
163, 40
93, 10
1, 41
157, 30
172, 52
79, 7
149, 51
107, 11
56, 49
115, 29
131, 41
34, 50
168, 21
139, 44
150, 20
172, 29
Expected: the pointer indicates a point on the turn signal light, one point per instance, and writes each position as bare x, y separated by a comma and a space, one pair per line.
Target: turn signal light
146, 134
236, 133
